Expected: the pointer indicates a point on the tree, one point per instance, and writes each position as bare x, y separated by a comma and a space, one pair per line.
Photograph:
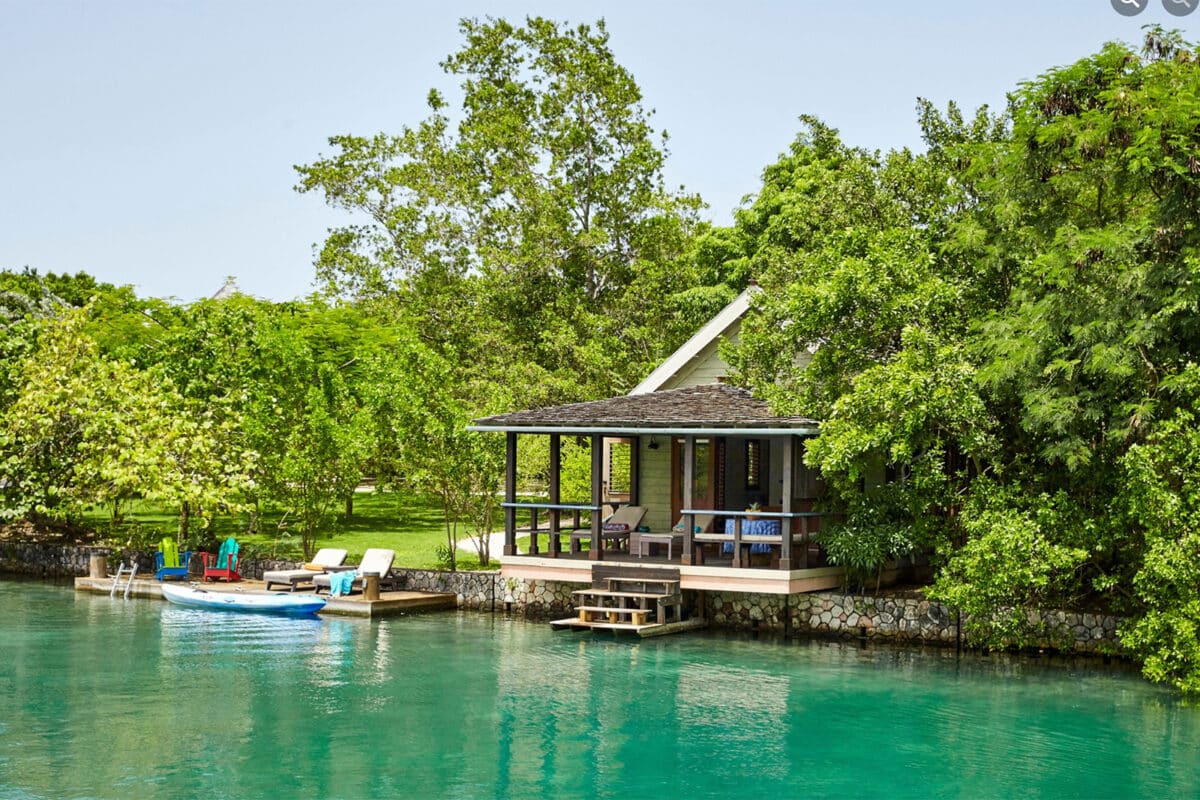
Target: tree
422, 439
540, 220
1008, 323
862, 323
75, 434
1160, 501
1086, 217
301, 417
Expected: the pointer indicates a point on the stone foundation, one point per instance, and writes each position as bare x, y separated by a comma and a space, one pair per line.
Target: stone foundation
901, 619
898, 618
52, 561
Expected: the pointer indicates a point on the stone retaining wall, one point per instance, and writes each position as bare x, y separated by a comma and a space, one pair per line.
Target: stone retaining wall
906, 618
900, 618
51, 561
475, 590
537, 598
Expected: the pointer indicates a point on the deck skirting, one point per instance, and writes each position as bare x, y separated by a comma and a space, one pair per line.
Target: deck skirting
692, 577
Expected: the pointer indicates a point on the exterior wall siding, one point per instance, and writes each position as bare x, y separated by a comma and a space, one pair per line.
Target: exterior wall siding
655, 489
706, 368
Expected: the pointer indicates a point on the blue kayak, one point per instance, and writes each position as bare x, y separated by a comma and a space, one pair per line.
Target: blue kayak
271, 603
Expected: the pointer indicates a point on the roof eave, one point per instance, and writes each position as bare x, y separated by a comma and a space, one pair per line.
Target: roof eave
727, 429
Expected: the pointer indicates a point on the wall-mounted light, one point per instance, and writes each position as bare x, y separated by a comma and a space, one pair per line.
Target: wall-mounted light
653, 443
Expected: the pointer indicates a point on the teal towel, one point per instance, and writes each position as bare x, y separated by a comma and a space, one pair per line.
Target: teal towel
342, 582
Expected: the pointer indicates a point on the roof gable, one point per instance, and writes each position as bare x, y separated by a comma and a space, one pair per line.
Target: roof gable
701, 340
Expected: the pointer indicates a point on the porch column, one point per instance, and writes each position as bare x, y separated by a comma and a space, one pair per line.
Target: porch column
635, 472
510, 493
785, 524
689, 468
597, 551
555, 477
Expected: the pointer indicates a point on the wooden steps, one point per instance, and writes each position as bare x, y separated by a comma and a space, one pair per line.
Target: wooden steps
645, 631
641, 600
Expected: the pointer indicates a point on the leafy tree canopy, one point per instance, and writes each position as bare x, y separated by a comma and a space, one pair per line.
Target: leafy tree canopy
535, 215
1008, 322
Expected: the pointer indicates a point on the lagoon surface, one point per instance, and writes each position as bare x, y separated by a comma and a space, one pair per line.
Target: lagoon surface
105, 698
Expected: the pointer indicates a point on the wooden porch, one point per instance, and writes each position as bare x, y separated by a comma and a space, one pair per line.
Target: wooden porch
714, 576
720, 481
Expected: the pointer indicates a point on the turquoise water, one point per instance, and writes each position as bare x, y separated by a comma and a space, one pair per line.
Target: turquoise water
106, 698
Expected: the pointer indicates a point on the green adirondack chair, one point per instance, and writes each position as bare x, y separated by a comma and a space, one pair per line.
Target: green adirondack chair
169, 563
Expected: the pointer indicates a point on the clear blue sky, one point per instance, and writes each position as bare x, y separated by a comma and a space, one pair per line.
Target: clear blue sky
151, 142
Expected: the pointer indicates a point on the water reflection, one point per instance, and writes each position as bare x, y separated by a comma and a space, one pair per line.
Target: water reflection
103, 698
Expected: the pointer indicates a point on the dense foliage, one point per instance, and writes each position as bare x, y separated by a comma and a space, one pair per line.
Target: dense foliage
1002, 335
525, 252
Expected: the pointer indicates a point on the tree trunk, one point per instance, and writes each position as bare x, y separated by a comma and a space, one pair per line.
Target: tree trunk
185, 512
350, 505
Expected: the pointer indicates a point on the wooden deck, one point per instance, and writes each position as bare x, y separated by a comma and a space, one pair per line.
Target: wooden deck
714, 576
355, 605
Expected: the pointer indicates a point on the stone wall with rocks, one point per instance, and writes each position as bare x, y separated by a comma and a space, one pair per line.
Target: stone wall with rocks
903, 617
52, 561
475, 590
536, 598
900, 617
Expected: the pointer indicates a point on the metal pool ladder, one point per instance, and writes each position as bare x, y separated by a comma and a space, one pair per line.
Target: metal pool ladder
117, 579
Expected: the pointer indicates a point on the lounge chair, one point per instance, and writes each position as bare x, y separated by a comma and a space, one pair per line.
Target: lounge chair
671, 538
169, 563
325, 558
224, 564
616, 529
376, 560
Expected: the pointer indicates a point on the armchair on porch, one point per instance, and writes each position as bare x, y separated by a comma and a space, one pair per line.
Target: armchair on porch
616, 529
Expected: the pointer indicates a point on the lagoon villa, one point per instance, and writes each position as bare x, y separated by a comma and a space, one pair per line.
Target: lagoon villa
711, 482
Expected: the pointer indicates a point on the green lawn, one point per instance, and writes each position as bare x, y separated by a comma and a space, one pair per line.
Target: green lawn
409, 524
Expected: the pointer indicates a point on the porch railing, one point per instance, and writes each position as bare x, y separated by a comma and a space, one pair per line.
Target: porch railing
575, 521
556, 528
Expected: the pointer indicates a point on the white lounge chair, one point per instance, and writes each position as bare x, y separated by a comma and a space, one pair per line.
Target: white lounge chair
325, 558
375, 560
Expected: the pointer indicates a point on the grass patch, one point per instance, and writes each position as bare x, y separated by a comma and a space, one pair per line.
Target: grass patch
410, 524
544, 543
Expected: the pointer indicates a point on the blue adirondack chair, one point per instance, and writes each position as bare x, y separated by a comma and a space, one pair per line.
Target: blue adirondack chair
168, 563
224, 564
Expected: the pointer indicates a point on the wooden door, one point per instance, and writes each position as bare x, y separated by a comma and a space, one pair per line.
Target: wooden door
704, 477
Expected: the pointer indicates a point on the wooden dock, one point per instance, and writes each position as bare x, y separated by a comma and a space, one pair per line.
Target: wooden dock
644, 601
355, 605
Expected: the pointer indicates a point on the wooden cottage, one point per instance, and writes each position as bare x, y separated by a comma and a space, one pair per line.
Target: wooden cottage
710, 481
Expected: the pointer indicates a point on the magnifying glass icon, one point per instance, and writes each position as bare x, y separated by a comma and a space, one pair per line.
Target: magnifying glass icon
1131, 8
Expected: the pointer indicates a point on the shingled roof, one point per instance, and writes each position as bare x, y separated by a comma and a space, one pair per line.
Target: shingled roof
716, 407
